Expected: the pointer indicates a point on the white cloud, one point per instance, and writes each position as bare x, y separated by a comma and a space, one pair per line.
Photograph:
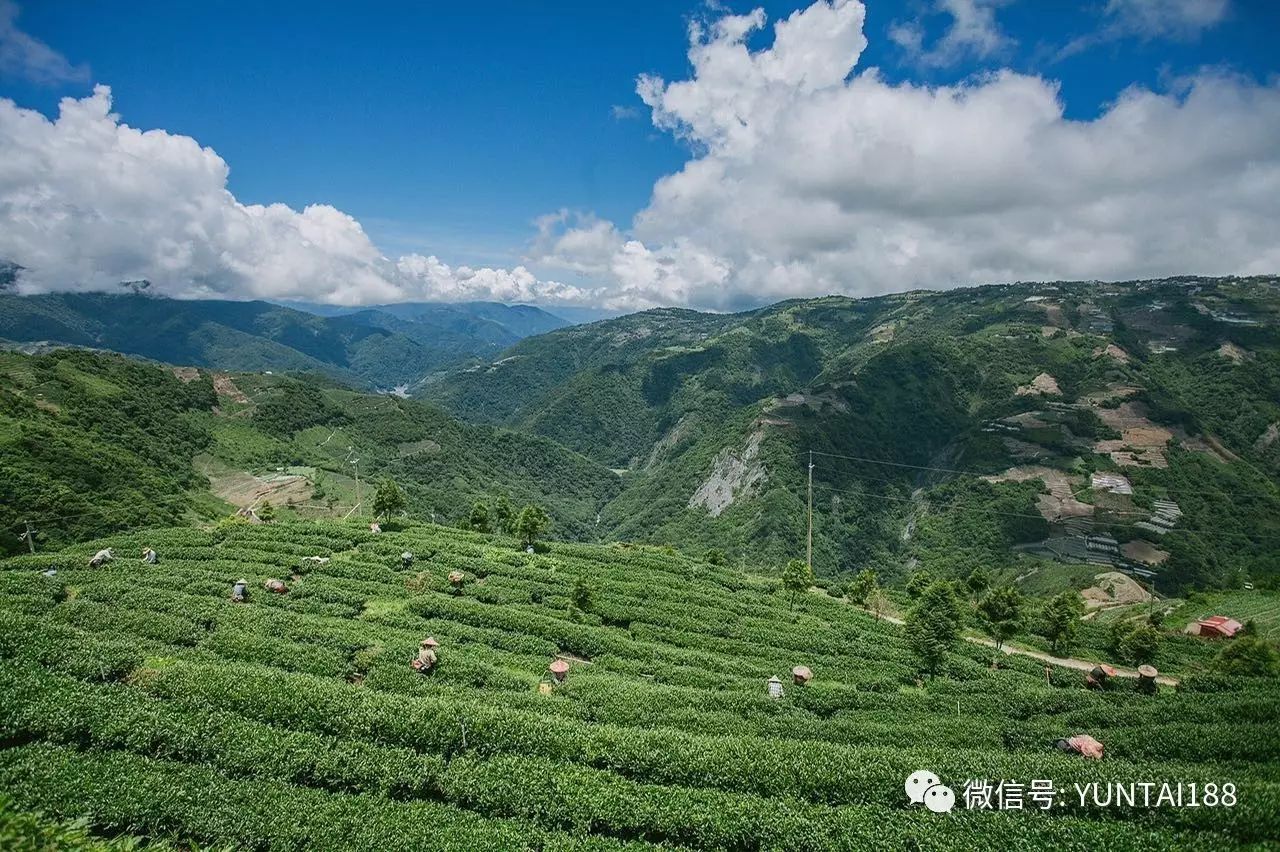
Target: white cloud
22, 55
581, 243
972, 33
87, 201
1149, 20
1178, 19
805, 180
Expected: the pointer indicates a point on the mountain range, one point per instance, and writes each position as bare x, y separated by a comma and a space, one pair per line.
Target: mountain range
969, 428
1039, 427
375, 347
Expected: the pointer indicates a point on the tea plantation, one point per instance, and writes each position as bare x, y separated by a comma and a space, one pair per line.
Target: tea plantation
140, 698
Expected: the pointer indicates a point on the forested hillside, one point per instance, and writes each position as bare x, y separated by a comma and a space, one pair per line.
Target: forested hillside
995, 427
93, 442
381, 347
1016, 429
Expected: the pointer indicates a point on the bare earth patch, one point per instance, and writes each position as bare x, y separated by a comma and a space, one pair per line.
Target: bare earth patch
1141, 550
242, 489
1060, 502
186, 374
1113, 352
1232, 352
223, 386
1114, 589
1042, 385
883, 333
1135, 428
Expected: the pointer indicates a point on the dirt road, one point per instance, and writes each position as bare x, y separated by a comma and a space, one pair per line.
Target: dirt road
1064, 662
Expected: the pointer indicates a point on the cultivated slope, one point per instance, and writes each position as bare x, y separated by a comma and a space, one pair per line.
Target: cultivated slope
91, 443
141, 698
915, 398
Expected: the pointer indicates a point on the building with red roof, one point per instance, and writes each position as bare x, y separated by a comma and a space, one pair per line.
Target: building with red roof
1218, 626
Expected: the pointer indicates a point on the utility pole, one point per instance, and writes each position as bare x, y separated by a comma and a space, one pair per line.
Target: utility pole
29, 535
809, 548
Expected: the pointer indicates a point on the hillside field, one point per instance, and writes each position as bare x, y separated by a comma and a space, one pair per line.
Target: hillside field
142, 699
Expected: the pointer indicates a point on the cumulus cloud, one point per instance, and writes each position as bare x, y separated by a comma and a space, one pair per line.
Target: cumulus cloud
973, 32
24, 56
805, 178
87, 201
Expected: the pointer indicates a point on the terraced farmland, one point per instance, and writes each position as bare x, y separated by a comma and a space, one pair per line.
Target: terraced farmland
142, 698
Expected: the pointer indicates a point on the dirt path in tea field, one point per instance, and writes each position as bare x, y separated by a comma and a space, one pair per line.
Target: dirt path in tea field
1014, 650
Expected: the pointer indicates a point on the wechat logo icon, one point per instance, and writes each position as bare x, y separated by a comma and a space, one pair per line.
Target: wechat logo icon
924, 788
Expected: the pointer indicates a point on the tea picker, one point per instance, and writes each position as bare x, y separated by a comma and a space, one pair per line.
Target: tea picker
425, 661
1081, 744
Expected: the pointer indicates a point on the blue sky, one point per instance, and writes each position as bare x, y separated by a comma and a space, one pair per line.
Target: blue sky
447, 131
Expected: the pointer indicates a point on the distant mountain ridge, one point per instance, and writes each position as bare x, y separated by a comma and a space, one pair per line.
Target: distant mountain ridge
379, 347
1001, 401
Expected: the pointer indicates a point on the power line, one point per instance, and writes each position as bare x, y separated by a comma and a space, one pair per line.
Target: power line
980, 474
963, 506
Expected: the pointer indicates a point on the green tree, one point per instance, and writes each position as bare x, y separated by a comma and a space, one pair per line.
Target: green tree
478, 520
1248, 655
388, 500
1142, 644
861, 587
977, 582
918, 582
504, 514
1060, 620
1117, 632
530, 523
797, 577
878, 602
715, 556
1001, 614
266, 512
933, 624
582, 595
